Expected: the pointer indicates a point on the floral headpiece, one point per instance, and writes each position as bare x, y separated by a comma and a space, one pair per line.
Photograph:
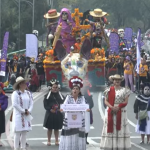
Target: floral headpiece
75, 81
54, 81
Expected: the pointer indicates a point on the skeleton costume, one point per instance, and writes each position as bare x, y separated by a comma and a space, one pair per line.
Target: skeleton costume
73, 138
142, 102
67, 25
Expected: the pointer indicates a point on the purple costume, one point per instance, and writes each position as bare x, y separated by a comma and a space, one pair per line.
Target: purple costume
67, 39
4, 104
51, 29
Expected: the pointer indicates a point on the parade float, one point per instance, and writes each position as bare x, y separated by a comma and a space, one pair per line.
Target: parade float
74, 52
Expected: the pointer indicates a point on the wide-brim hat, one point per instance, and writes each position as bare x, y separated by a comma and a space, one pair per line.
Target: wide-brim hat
98, 13
19, 80
116, 76
52, 13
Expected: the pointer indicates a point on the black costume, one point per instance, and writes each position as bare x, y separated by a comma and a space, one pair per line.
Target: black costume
53, 120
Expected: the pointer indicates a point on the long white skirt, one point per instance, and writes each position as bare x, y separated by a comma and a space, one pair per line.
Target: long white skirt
118, 140
147, 130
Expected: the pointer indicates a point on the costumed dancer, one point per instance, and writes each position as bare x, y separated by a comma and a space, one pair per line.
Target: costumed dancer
52, 18
53, 117
115, 133
67, 25
3, 107
22, 102
142, 104
73, 138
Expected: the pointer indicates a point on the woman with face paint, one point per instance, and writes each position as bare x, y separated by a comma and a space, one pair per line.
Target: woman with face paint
116, 134
73, 138
142, 103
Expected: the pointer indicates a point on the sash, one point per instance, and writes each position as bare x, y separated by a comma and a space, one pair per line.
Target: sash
111, 100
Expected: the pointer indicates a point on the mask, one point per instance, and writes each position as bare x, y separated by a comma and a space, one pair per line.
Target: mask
64, 15
146, 90
121, 33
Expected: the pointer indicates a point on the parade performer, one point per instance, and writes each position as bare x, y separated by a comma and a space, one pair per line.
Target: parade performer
142, 111
22, 103
115, 133
98, 27
67, 25
122, 41
52, 16
111, 67
128, 72
53, 118
3, 107
73, 139
143, 70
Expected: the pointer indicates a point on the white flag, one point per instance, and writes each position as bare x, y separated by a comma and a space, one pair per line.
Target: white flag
138, 47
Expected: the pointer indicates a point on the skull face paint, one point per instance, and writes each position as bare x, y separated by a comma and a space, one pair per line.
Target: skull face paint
64, 16
121, 33
146, 90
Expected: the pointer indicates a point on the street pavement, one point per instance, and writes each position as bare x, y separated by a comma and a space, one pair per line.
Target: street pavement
37, 138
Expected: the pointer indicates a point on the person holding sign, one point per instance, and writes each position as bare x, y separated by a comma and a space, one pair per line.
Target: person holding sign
73, 132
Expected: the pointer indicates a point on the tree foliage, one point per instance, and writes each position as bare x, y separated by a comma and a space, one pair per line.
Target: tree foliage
122, 13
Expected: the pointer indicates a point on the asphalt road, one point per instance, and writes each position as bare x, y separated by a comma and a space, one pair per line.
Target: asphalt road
37, 138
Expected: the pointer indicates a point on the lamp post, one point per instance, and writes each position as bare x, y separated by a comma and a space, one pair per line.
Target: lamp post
19, 26
32, 6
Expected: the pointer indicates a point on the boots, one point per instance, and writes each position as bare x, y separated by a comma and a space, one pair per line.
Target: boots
86, 135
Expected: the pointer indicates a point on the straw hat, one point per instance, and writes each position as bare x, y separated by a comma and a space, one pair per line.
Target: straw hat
98, 13
52, 13
19, 80
116, 76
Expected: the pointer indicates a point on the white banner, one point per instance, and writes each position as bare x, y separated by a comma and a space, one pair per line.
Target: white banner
74, 119
74, 107
31, 46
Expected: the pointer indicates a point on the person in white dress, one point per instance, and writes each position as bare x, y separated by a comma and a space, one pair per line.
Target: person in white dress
115, 133
22, 103
73, 138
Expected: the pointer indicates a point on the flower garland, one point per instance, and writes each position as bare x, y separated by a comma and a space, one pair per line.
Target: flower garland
50, 52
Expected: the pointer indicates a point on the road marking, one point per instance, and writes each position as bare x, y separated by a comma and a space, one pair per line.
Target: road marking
138, 146
102, 115
41, 125
10, 108
100, 105
93, 138
101, 110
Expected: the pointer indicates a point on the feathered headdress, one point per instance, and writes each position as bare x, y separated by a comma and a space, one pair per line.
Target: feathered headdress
75, 81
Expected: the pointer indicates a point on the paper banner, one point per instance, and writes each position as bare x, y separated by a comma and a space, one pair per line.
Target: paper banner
114, 42
31, 46
4, 54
